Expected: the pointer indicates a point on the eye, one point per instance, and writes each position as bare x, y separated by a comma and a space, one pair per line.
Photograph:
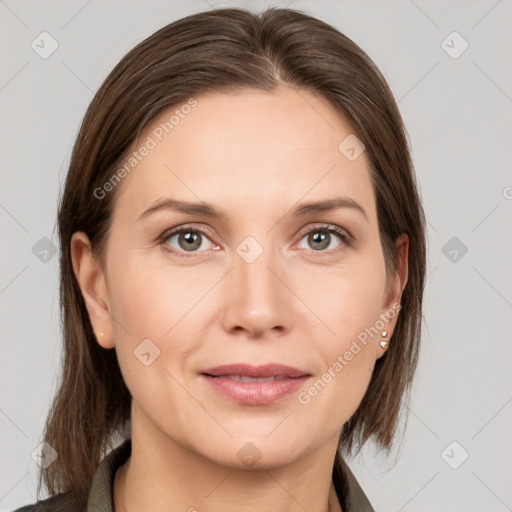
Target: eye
320, 238
188, 239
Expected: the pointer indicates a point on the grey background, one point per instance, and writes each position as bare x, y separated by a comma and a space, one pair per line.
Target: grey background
457, 112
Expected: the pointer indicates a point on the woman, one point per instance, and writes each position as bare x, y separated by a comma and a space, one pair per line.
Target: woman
242, 272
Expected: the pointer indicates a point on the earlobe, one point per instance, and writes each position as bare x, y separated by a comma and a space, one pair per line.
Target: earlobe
91, 279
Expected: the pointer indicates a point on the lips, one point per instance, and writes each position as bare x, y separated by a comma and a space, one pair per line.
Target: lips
255, 385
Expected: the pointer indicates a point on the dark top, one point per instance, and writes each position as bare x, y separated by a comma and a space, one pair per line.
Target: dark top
350, 494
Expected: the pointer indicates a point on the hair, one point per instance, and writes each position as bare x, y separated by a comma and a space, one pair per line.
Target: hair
226, 50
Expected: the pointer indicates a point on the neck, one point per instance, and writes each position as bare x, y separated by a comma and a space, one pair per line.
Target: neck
162, 475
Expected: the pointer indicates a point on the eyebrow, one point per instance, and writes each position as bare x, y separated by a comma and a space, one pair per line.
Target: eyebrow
208, 210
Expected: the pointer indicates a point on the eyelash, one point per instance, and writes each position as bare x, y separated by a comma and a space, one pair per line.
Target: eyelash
346, 238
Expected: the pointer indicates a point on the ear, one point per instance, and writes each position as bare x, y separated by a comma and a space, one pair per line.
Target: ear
91, 280
399, 279
395, 287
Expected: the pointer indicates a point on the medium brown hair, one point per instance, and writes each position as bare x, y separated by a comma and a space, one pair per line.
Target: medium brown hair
226, 50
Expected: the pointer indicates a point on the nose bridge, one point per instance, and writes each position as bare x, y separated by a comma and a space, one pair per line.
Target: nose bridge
255, 258
257, 294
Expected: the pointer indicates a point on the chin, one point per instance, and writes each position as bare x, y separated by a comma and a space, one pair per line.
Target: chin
255, 452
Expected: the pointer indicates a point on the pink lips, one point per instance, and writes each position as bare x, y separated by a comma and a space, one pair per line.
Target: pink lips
237, 382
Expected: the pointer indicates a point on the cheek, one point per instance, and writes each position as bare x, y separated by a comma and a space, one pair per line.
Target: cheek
350, 306
156, 301
151, 329
149, 297
349, 299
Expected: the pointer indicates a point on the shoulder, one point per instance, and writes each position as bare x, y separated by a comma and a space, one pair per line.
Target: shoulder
100, 495
350, 494
56, 503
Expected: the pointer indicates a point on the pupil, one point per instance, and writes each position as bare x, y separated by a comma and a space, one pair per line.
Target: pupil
191, 238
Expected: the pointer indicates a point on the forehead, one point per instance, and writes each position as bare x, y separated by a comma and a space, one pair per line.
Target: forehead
246, 150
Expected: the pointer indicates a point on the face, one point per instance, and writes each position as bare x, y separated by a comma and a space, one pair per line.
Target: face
266, 283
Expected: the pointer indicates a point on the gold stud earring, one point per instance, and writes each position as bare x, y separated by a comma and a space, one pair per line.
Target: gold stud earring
384, 343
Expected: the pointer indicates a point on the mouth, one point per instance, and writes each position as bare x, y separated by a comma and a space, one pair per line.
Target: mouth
267, 371
255, 385
246, 378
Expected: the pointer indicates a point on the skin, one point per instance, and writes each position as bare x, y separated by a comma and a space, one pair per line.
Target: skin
255, 155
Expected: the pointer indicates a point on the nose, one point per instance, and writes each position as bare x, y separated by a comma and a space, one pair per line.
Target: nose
259, 302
